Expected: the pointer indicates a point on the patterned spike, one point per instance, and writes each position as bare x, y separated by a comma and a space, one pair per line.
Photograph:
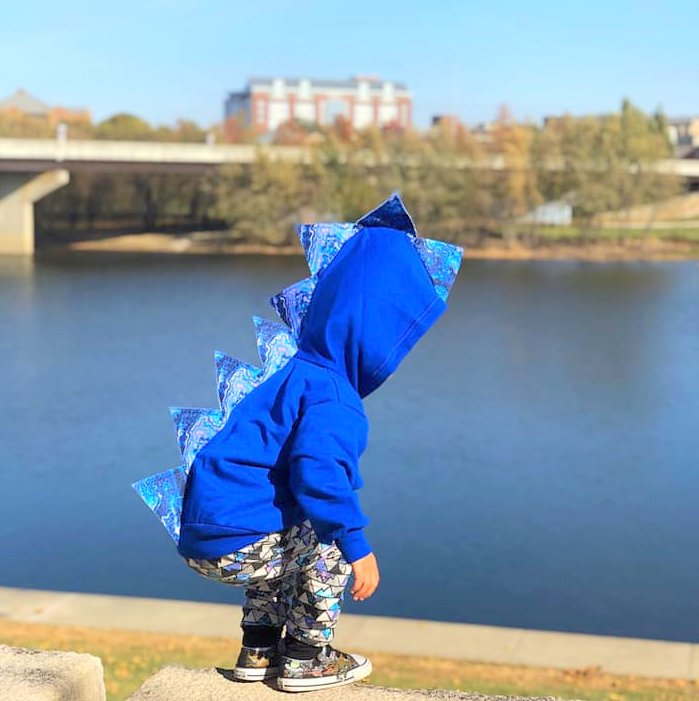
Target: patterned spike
163, 493
391, 214
321, 242
275, 345
442, 261
292, 304
267, 332
195, 428
225, 368
241, 383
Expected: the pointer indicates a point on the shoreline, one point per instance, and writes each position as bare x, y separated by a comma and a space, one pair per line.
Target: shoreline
418, 638
207, 243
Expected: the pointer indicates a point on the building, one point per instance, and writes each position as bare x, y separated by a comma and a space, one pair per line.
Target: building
363, 100
449, 122
684, 135
23, 104
554, 213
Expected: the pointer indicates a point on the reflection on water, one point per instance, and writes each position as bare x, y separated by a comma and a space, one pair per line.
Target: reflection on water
533, 462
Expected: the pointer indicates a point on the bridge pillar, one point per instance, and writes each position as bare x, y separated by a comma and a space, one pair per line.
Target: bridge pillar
18, 193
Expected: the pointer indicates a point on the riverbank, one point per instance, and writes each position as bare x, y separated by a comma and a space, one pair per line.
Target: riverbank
658, 248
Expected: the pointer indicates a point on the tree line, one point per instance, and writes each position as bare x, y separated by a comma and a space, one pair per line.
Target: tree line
597, 164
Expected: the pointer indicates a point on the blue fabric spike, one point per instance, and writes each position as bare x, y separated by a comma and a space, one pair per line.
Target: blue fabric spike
242, 382
390, 214
442, 261
163, 493
321, 242
272, 337
292, 304
225, 368
195, 428
275, 344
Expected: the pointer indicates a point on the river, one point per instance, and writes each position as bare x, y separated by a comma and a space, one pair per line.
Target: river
534, 462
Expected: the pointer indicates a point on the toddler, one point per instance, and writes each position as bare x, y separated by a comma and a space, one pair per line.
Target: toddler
267, 496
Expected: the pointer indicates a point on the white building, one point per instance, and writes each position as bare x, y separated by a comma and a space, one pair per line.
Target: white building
363, 100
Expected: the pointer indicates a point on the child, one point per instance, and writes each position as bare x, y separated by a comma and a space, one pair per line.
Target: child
267, 497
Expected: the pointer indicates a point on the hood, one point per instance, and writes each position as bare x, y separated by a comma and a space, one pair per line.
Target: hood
370, 306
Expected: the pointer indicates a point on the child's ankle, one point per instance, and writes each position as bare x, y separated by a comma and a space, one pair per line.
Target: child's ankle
261, 636
298, 649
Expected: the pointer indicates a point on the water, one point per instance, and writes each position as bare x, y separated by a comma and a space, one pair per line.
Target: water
534, 462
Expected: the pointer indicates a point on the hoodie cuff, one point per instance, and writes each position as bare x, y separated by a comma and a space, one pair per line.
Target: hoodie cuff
354, 545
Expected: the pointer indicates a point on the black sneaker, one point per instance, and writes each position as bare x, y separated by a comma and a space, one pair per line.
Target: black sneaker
257, 663
328, 668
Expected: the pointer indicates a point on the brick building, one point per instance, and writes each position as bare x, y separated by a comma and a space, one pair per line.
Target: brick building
363, 100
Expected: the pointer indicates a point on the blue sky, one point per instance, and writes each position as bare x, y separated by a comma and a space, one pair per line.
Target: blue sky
165, 59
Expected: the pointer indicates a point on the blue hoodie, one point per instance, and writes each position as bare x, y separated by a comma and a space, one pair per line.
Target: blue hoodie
290, 449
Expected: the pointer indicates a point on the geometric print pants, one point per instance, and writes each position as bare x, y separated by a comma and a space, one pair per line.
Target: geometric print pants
290, 578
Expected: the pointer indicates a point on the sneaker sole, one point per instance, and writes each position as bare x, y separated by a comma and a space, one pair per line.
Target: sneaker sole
313, 683
249, 674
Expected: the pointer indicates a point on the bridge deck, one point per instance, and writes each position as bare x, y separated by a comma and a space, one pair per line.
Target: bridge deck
35, 155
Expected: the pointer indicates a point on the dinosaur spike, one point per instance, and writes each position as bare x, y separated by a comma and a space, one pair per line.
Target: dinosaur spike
391, 214
266, 332
225, 368
292, 304
163, 494
278, 349
321, 242
442, 261
195, 428
240, 383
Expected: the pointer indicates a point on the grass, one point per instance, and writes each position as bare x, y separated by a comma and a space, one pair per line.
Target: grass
129, 658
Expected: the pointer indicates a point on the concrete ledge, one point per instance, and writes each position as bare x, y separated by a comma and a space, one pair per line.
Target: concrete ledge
180, 684
37, 675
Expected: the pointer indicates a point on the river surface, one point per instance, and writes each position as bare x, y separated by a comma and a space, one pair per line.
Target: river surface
534, 462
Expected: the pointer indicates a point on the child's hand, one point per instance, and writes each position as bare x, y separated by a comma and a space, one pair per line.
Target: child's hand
366, 577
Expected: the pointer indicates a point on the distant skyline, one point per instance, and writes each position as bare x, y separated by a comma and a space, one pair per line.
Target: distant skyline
170, 59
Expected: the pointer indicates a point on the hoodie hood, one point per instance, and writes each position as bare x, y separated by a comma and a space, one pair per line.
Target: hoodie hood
370, 306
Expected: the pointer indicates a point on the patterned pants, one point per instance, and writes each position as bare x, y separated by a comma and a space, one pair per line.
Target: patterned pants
291, 579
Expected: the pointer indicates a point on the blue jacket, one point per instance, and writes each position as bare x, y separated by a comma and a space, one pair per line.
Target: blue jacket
289, 449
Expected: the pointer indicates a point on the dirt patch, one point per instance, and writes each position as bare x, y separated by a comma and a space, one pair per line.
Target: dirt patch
219, 243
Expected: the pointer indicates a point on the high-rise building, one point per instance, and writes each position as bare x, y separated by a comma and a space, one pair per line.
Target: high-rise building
363, 100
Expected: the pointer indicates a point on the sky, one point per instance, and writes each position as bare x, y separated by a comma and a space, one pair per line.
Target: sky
171, 59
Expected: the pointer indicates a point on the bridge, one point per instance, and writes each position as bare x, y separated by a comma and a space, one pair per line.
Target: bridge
31, 169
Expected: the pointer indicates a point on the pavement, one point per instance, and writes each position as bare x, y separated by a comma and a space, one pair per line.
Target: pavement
502, 645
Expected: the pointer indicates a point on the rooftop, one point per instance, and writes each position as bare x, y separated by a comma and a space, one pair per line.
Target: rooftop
24, 102
353, 82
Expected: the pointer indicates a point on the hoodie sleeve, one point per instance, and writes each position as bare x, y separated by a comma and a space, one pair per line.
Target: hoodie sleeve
324, 474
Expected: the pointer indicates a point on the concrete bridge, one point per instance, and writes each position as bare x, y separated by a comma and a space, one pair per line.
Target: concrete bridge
33, 168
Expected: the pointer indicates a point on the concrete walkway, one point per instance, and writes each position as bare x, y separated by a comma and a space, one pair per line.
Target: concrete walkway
649, 658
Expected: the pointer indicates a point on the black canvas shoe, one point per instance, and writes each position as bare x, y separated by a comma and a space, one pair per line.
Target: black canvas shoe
257, 663
328, 668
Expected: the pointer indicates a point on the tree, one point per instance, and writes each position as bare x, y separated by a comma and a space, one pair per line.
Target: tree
124, 127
